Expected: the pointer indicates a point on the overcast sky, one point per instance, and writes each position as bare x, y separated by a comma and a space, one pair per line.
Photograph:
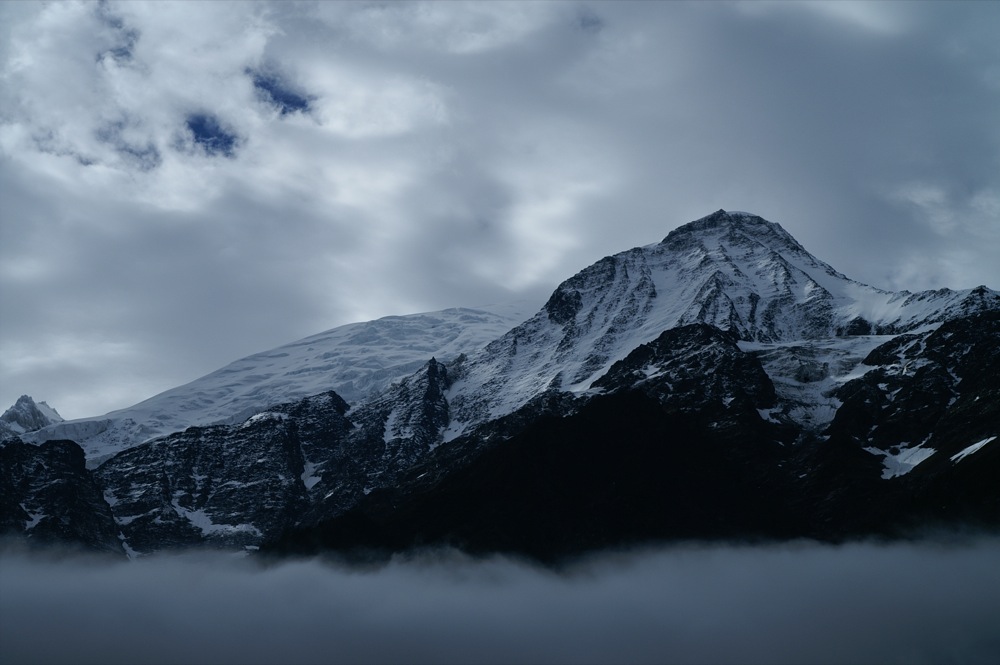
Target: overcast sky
185, 184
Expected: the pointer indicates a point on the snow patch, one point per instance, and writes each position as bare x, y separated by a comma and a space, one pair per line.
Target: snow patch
33, 518
390, 425
971, 449
902, 462
49, 412
829, 362
201, 520
263, 416
125, 520
309, 479
767, 414
129, 552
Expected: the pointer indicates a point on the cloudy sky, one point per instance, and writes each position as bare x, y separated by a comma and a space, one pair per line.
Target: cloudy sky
185, 184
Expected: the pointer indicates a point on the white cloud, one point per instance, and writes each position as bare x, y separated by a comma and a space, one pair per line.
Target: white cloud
872, 16
363, 104
463, 27
957, 222
932, 202
73, 357
552, 175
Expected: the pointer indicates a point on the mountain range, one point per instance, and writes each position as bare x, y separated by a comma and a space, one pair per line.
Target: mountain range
720, 384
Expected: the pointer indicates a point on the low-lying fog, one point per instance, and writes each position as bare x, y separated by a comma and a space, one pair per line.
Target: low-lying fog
800, 603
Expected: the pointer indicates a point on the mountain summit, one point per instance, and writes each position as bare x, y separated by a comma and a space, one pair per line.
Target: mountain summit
734, 271
721, 383
27, 416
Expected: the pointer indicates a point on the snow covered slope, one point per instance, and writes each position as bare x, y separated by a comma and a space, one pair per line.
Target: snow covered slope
353, 360
735, 271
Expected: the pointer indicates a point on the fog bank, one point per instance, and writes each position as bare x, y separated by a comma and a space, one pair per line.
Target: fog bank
802, 603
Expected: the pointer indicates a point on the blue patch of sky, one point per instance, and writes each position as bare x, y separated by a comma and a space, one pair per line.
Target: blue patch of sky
276, 91
209, 133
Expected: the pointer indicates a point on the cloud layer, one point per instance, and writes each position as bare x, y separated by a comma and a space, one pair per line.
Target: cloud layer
182, 184
803, 603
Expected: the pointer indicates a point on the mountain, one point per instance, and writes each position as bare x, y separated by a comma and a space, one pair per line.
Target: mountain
354, 360
734, 271
675, 448
27, 416
722, 383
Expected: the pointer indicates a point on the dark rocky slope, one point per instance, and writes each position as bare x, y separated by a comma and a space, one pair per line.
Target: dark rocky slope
47, 496
678, 450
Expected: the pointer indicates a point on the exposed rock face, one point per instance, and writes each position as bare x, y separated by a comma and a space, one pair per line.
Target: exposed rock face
929, 396
322, 427
241, 485
690, 368
390, 434
227, 486
48, 496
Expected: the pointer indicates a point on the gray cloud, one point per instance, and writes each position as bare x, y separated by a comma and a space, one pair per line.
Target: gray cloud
412, 156
803, 603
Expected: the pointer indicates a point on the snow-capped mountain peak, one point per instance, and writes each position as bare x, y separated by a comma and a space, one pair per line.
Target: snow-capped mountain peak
26, 415
735, 271
733, 226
